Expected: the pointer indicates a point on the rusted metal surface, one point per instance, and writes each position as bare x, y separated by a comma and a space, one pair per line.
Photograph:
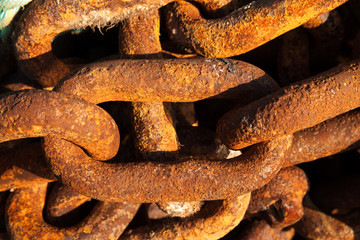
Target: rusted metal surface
325, 139
237, 33
168, 80
106, 220
139, 37
316, 21
37, 113
62, 200
318, 225
153, 124
214, 221
43, 20
156, 138
285, 193
24, 166
260, 229
170, 154
164, 182
293, 108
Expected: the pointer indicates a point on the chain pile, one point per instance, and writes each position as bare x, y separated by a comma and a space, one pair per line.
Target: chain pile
216, 102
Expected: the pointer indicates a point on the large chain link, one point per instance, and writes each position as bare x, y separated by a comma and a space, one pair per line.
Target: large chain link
229, 176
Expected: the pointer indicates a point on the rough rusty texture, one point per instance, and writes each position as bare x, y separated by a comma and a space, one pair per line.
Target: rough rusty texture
325, 139
293, 108
352, 219
156, 138
285, 193
153, 125
44, 19
188, 179
260, 229
243, 30
154, 129
62, 200
317, 225
106, 220
316, 21
344, 193
214, 221
293, 63
169, 80
219, 8
24, 166
37, 113
139, 37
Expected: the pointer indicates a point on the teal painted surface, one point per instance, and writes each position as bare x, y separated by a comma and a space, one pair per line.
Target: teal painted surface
8, 10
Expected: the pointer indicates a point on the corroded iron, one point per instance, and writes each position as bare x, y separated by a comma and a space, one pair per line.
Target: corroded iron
24, 166
260, 229
238, 33
298, 106
172, 158
153, 124
62, 200
318, 225
164, 182
168, 80
43, 20
327, 138
213, 221
37, 113
285, 192
106, 220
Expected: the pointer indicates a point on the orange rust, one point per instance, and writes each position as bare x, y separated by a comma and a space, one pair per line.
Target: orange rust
62, 200
188, 179
214, 221
293, 108
37, 113
316, 21
106, 220
244, 29
156, 138
318, 225
43, 20
154, 131
260, 229
24, 166
140, 36
116, 182
155, 134
325, 139
169, 80
286, 192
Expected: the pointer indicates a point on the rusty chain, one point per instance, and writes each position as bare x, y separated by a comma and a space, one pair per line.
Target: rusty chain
216, 102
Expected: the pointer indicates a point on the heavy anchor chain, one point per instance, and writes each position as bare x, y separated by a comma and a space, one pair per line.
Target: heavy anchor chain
245, 187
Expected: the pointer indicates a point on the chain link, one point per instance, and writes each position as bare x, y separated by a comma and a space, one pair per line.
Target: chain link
228, 173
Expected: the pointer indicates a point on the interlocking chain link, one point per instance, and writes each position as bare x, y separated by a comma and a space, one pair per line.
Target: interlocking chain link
82, 181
